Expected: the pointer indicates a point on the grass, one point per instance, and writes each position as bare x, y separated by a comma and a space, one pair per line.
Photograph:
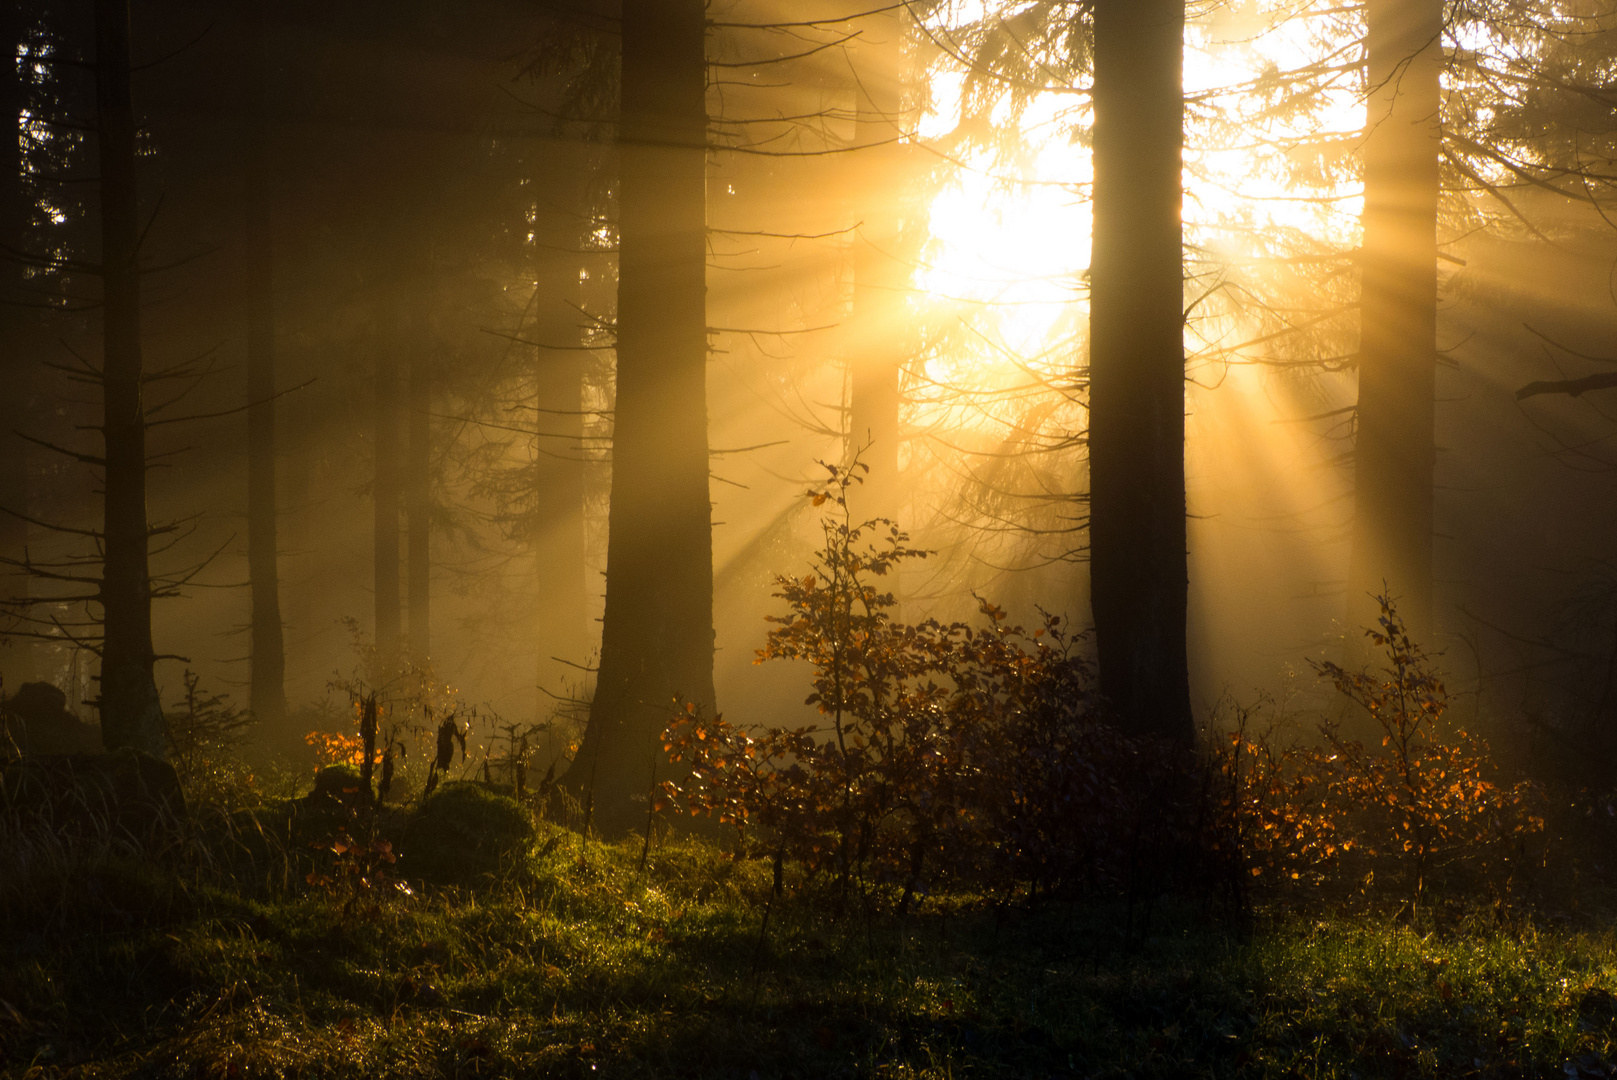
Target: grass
578, 961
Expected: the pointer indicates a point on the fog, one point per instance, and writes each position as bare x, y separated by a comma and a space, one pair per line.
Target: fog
440, 196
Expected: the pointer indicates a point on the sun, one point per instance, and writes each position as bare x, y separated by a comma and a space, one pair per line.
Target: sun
997, 405
1009, 241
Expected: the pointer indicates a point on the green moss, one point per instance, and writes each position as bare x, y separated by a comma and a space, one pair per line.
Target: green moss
462, 834
340, 783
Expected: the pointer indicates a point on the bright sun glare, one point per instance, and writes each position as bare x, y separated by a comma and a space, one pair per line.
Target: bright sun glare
1010, 243
1006, 270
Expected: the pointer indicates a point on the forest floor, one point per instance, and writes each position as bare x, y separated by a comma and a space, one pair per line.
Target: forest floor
598, 960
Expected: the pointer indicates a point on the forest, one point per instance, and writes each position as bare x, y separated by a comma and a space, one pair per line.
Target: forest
797, 538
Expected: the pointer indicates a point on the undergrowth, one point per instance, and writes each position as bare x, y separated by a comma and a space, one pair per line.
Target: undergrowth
585, 959
966, 869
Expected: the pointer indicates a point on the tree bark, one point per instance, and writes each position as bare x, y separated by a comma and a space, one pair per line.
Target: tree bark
657, 632
418, 492
131, 714
1395, 442
267, 691
387, 495
1139, 579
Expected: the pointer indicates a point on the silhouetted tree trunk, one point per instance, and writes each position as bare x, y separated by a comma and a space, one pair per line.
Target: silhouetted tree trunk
418, 491
387, 494
1395, 447
1138, 573
131, 714
267, 692
657, 633
15, 362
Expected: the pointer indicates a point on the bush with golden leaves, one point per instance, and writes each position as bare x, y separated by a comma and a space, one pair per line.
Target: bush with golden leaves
977, 755
1428, 800
969, 753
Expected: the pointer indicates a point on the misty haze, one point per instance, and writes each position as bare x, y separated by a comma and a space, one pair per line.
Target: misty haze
802, 537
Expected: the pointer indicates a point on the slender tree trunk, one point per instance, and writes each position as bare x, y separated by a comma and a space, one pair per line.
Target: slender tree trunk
15, 360
1395, 444
418, 491
387, 496
1139, 581
657, 633
131, 714
267, 692
877, 318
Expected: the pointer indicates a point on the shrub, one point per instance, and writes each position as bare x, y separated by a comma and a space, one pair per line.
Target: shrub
392, 722
978, 756
1426, 803
1428, 800
356, 872
204, 737
1273, 820
971, 753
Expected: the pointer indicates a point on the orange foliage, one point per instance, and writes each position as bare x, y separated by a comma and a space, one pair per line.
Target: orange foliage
1429, 795
1426, 800
335, 748
978, 754
945, 750
1272, 818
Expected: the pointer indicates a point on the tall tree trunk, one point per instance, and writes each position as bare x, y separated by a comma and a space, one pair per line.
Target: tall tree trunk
875, 362
1139, 580
657, 633
267, 692
15, 359
131, 714
1395, 443
418, 490
387, 495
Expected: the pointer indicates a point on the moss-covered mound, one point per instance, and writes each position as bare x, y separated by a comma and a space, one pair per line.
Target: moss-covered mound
462, 834
339, 785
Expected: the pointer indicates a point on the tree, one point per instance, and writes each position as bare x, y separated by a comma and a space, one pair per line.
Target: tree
1394, 448
1139, 579
1603, 380
131, 714
657, 630
418, 491
267, 692
387, 447
14, 369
